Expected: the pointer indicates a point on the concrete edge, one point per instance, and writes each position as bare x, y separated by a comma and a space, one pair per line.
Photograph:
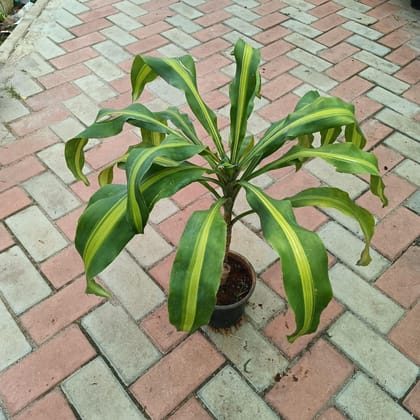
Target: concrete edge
19, 32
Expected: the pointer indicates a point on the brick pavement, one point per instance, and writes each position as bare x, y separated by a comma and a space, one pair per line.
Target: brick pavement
64, 355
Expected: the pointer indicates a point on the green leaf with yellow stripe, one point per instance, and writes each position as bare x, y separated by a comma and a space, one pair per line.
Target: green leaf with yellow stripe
242, 93
303, 258
180, 121
110, 122
344, 156
103, 231
340, 200
140, 75
180, 73
161, 182
319, 114
138, 163
197, 269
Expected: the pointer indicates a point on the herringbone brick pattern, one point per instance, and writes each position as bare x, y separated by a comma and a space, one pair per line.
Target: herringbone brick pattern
65, 355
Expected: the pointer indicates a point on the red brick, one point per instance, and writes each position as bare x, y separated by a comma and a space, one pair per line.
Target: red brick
189, 194
365, 107
387, 159
152, 29
280, 86
52, 96
279, 108
146, 45
211, 32
161, 272
209, 48
314, 380
183, 370
334, 36
39, 119
410, 73
58, 311
161, 331
157, 4
402, 281
284, 325
388, 24
331, 414
68, 223
191, 410
25, 146
269, 6
53, 406
402, 55
310, 218
396, 39
277, 66
325, 9
339, 52
268, 21
413, 94
345, 69
44, 368
63, 76
157, 16
397, 190
215, 100
210, 19
275, 49
406, 335
412, 402
270, 35
6, 240
121, 101
101, 12
212, 81
89, 27
383, 11
292, 184
122, 85
63, 267
328, 22
374, 132
211, 6
82, 41
19, 171
351, 88
12, 201
75, 57
396, 232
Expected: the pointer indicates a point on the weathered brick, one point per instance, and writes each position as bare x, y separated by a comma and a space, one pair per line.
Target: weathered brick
373, 354
238, 399
362, 399
95, 392
119, 338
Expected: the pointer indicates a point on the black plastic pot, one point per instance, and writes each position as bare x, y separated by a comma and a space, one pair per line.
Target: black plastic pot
415, 4
225, 316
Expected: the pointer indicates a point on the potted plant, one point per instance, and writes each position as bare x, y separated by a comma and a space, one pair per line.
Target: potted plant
160, 165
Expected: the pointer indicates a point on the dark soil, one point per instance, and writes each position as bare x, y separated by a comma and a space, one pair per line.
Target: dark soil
237, 285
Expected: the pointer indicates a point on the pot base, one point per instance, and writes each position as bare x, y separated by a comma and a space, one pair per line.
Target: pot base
225, 316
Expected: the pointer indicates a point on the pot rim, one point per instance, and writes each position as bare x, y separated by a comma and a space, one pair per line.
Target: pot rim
251, 270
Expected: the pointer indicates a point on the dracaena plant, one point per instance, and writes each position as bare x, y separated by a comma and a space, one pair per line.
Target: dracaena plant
159, 166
